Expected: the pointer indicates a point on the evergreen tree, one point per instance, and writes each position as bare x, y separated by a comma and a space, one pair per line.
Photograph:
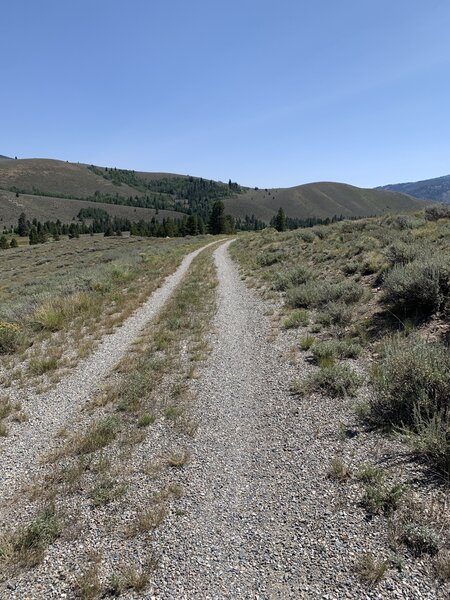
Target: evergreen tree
22, 228
4, 244
230, 226
217, 218
33, 235
14, 243
192, 227
280, 220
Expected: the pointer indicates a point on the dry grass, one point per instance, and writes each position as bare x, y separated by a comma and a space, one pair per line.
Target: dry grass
91, 465
64, 296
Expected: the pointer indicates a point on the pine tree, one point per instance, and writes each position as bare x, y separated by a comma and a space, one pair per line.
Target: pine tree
192, 225
280, 220
217, 219
33, 235
22, 228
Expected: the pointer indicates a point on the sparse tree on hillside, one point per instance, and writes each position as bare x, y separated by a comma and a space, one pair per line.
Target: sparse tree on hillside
14, 243
4, 244
22, 227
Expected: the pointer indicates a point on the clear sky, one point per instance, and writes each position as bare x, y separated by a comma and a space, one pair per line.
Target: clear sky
265, 92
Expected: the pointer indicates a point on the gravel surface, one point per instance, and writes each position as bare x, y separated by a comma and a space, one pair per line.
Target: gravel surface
261, 517
48, 413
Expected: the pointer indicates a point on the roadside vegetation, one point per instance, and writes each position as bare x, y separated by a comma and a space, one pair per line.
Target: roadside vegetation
370, 300
65, 296
116, 475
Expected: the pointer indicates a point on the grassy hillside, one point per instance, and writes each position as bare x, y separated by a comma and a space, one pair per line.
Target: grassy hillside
181, 193
437, 189
322, 199
44, 208
56, 177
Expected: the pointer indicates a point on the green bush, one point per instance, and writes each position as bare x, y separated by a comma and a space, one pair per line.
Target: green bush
325, 353
314, 294
306, 236
336, 380
420, 539
306, 342
381, 497
10, 337
335, 313
296, 318
266, 259
329, 350
350, 267
411, 382
400, 253
420, 286
290, 278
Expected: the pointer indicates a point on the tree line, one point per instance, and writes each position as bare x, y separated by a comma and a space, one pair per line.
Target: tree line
92, 220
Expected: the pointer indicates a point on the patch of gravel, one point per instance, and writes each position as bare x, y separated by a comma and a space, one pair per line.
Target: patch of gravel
260, 517
48, 413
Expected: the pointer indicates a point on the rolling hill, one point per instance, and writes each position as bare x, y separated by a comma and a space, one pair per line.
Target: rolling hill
323, 199
49, 189
437, 189
45, 208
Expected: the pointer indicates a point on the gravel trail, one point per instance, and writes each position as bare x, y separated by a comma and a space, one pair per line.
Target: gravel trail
48, 413
260, 519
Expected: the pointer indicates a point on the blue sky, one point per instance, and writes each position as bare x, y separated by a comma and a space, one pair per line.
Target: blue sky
268, 93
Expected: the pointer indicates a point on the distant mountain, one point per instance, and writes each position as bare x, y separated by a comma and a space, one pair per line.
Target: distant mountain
68, 183
5, 157
437, 189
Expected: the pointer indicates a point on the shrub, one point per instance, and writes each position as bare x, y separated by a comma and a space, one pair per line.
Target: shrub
350, 267
296, 318
331, 349
400, 253
306, 236
306, 342
380, 497
266, 259
335, 313
431, 438
292, 277
420, 539
419, 286
318, 293
437, 211
324, 353
49, 317
370, 474
412, 381
336, 380
10, 337
370, 569
320, 231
